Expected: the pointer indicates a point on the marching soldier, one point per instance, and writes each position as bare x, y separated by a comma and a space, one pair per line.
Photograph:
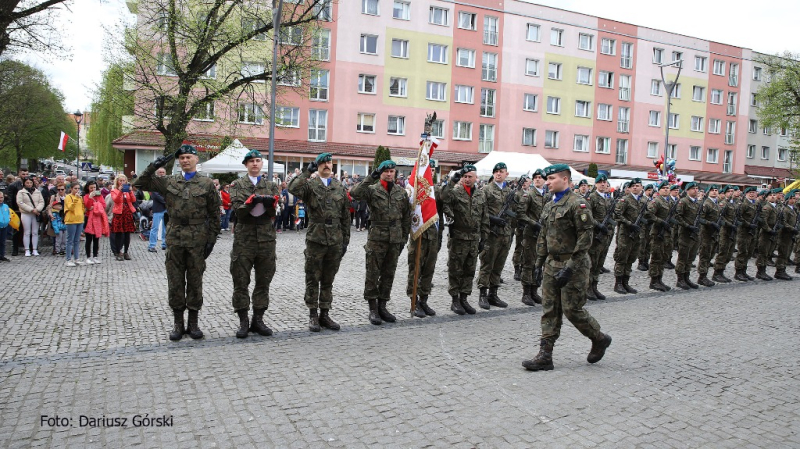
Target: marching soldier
599, 203
253, 200
529, 212
709, 233
785, 236
658, 213
518, 227
686, 214
193, 206
627, 210
498, 243
727, 238
769, 216
327, 237
644, 248
390, 223
562, 251
748, 224
465, 209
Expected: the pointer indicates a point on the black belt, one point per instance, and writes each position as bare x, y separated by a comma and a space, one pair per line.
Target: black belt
383, 223
328, 221
189, 221
561, 257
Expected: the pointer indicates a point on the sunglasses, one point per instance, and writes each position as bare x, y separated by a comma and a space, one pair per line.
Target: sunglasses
61, 190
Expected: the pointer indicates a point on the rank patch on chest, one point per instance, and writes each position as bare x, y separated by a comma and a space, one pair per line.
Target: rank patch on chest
583, 217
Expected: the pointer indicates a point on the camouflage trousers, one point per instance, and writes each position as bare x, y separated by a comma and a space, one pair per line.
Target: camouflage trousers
784, 250
745, 243
322, 264
660, 253
687, 251
381, 268
462, 258
493, 260
597, 254
644, 248
765, 248
516, 259
727, 239
626, 253
529, 258
797, 249
708, 243
566, 301
185, 266
244, 258
429, 249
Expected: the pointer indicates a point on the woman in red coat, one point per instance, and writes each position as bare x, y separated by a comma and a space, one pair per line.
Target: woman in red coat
96, 220
122, 222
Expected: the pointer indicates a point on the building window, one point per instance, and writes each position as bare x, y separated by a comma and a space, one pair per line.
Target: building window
753, 127
674, 121
584, 75
608, 46
583, 108
622, 151
437, 53
437, 129
714, 125
658, 55
487, 102
533, 33
317, 125
253, 69
782, 154
251, 113
626, 56
435, 91
623, 124
528, 137
557, 37
784, 132
719, 67
551, 139
489, 67
288, 77
291, 35
655, 119
652, 150
399, 48
287, 117
730, 132
697, 124
756, 73
530, 102
321, 45
751, 151
467, 20
368, 44
553, 105
366, 84
554, 71
753, 100
206, 113
765, 153
733, 75
248, 26
532, 67
319, 85
465, 58
716, 96
462, 131
485, 138
366, 123
581, 144
324, 11
712, 156
655, 88
727, 161
694, 153
677, 56
397, 125
603, 145
401, 10
438, 16
398, 87
490, 30
605, 79
700, 64
585, 41
464, 94
625, 87
767, 131
698, 93
369, 7
676, 91
605, 112
672, 151
211, 73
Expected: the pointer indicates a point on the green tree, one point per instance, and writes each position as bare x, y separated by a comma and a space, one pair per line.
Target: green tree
111, 102
31, 115
381, 154
779, 97
592, 171
30, 25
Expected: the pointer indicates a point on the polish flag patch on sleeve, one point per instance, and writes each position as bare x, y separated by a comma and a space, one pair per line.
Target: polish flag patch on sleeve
583, 205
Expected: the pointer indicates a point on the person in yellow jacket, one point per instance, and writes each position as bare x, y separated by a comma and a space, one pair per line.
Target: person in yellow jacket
74, 211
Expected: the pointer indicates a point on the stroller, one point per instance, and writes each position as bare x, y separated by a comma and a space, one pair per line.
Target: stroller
145, 219
300, 213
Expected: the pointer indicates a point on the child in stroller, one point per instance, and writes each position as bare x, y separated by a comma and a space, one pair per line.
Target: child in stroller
145, 219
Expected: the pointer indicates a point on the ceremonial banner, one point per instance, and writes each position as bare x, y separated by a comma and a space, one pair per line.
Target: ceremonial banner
423, 201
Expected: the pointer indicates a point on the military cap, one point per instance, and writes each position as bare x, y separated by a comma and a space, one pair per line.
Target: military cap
763, 192
583, 183
788, 196
468, 168
735, 188
324, 157
712, 187
750, 189
689, 185
724, 189
499, 166
252, 154
523, 178
538, 172
662, 184
186, 149
674, 187
635, 181
776, 190
625, 185
600, 178
556, 168
386, 165
649, 187
794, 191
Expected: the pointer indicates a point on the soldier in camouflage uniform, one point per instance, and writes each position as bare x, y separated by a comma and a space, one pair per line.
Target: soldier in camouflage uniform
529, 211
193, 205
583, 188
493, 257
253, 200
709, 233
658, 213
429, 251
644, 247
769, 216
328, 235
727, 237
748, 224
464, 208
785, 236
627, 210
687, 210
519, 228
674, 197
390, 223
600, 203
563, 252
796, 261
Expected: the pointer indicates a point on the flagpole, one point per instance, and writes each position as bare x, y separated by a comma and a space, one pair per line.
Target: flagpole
419, 240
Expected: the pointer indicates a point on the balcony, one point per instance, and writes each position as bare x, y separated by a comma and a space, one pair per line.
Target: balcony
623, 126
625, 93
733, 80
731, 109
729, 139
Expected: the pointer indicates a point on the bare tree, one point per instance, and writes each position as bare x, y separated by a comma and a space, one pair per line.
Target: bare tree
29, 24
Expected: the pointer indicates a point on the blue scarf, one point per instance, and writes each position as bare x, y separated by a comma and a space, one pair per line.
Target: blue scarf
188, 176
559, 195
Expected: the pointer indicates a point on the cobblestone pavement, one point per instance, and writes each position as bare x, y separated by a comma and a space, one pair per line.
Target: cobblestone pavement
714, 367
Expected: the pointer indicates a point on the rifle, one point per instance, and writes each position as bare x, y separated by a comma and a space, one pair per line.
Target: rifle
609, 213
736, 219
721, 216
669, 218
639, 219
796, 228
752, 225
778, 226
507, 210
696, 223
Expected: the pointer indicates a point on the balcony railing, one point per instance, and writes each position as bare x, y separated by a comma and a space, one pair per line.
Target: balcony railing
623, 126
625, 93
490, 37
731, 109
729, 139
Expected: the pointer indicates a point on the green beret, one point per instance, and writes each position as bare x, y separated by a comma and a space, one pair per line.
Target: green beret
523, 178
662, 184
689, 185
186, 149
557, 168
788, 196
432, 163
583, 183
252, 154
468, 168
538, 172
750, 189
324, 157
386, 165
763, 192
649, 187
735, 188
712, 187
635, 181
776, 190
626, 185
794, 191
724, 189
499, 166
600, 178
674, 187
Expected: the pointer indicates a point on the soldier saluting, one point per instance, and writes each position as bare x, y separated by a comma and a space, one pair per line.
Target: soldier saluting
193, 207
562, 250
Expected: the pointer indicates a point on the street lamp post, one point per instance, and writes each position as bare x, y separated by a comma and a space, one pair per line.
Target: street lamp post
276, 23
78, 119
669, 86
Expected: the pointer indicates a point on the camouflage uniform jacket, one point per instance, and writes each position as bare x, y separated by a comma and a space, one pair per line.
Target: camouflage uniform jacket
193, 206
769, 215
517, 202
729, 211
249, 228
789, 222
529, 210
711, 212
566, 234
686, 211
390, 211
628, 208
468, 212
327, 208
657, 212
495, 199
599, 204
747, 212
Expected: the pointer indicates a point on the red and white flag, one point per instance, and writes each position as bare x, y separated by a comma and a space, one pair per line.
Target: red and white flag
423, 204
62, 142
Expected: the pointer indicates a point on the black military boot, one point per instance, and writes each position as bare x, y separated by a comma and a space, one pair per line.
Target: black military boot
618, 287
604, 270
797, 268
747, 275
704, 281
655, 284
543, 360
384, 312
642, 266
689, 281
590, 294
423, 302
374, 317
483, 299
244, 324
326, 321
770, 262
418, 312
627, 287
741, 276
467, 308
719, 277
179, 328
762, 274
535, 294
682, 282
597, 293
599, 345
669, 265
313, 320
526, 295
781, 274
494, 300
194, 327
456, 306
257, 325
661, 279
517, 272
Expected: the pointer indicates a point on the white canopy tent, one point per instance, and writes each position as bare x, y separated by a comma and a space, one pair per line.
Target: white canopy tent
520, 164
230, 159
